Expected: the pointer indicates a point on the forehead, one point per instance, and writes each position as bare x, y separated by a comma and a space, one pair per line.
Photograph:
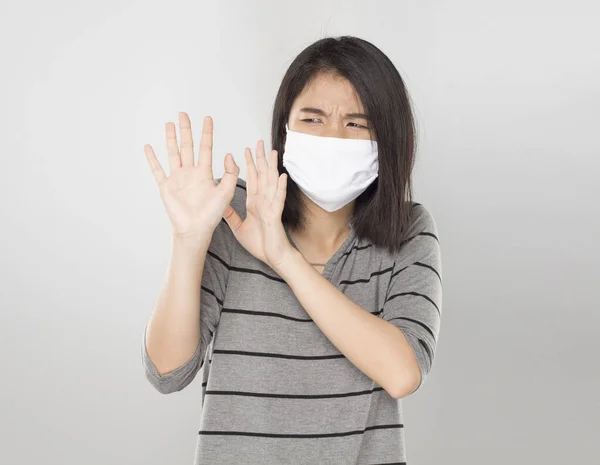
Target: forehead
328, 92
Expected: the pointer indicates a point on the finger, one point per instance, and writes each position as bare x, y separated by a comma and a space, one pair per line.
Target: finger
251, 174
261, 167
206, 146
230, 177
157, 171
281, 193
187, 143
172, 149
273, 173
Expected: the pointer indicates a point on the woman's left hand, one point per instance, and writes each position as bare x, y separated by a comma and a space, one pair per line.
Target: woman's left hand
261, 233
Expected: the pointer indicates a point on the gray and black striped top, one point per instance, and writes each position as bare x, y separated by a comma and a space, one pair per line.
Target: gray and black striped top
275, 390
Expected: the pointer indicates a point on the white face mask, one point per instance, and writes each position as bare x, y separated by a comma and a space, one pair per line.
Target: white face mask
332, 172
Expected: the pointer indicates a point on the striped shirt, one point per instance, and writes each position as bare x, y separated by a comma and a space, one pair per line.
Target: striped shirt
275, 390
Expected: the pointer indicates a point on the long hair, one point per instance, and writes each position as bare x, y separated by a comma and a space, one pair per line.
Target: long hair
382, 213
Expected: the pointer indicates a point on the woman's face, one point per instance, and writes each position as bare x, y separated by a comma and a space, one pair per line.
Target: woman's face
329, 107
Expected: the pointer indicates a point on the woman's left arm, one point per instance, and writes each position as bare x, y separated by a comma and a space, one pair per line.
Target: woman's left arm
376, 347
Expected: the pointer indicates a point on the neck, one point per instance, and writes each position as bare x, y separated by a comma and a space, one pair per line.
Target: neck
323, 231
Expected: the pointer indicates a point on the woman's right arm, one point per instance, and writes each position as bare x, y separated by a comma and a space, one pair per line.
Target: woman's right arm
188, 306
173, 333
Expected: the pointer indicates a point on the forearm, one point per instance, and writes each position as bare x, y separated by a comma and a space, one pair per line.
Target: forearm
173, 332
374, 346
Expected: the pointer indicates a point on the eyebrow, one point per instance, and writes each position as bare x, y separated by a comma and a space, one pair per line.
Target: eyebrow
318, 111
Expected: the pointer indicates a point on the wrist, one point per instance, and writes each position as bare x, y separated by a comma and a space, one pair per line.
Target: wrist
192, 243
290, 260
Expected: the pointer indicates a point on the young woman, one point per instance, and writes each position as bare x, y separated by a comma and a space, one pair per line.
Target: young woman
313, 303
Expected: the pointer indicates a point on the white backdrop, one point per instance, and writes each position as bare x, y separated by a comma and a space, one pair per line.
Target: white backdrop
506, 98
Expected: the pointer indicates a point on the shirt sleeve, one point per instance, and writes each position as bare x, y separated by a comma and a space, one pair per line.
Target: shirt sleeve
414, 297
212, 294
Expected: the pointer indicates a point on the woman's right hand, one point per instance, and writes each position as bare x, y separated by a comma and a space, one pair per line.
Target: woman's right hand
194, 203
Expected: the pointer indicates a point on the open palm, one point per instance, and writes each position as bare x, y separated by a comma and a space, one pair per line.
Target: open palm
194, 203
261, 233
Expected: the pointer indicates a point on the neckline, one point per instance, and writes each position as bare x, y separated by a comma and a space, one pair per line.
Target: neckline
337, 255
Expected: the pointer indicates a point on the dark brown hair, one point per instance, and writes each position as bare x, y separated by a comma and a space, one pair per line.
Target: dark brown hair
382, 213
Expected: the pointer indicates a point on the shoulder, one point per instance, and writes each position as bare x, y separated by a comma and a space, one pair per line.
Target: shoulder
422, 242
422, 220
223, 241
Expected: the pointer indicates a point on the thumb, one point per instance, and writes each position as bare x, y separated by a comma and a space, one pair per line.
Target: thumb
230, 177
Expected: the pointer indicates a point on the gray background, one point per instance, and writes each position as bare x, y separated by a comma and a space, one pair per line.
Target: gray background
507, 101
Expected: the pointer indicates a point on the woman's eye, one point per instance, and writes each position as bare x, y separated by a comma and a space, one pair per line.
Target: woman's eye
317, 119
360, 125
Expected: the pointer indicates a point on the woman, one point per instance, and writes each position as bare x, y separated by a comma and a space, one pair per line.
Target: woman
318, 297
